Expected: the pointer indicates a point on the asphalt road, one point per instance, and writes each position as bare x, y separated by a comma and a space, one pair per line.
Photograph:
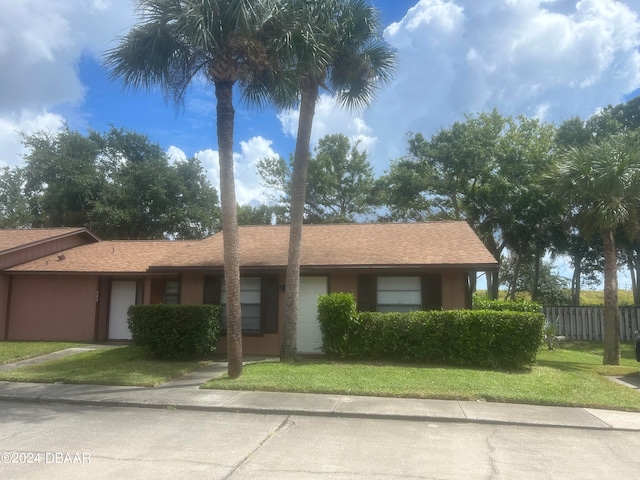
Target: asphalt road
69, 442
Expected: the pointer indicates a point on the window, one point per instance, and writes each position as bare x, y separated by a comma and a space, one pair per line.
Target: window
170, 292
399, 294
258, 298
250, 294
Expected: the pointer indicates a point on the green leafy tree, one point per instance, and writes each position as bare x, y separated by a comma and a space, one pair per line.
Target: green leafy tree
259, 214
602, 183
519, 276
14, 206
61, 179
336, 45
229, 44
146, 196
339, 181
486, 171
118, 184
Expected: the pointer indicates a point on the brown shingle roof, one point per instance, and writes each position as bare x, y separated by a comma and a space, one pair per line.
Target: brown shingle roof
120, 256
437, 244
13, 239
444, 244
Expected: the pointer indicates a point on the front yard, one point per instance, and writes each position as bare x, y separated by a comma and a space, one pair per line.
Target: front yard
571, 376
114, 366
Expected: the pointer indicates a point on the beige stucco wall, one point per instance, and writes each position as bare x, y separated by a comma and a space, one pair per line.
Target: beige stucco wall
53, 307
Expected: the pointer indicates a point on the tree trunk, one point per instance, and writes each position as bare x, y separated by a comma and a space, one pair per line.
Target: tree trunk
492, 285
288, 348
535, 289
575, 282
225, 118
633, 273
611, 326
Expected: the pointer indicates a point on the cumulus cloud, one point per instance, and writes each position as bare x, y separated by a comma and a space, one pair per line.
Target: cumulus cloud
40, 47
551, 60
11, 149
248, 188
329, 119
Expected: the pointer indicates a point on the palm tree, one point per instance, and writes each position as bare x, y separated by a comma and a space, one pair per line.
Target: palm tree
227, 43
337, 46
602, 183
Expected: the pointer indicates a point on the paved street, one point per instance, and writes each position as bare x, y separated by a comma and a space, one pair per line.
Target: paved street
68, 442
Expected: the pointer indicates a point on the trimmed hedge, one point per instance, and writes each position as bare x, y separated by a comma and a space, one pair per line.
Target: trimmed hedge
336, 312
175, 331
498, 339
506, 305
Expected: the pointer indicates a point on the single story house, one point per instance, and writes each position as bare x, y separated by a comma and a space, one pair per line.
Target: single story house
65, 284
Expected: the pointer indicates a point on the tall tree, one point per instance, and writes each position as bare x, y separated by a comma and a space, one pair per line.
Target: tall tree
144, 196
602, 183
228, 43
14, 206
339, 181
118, 183
336, 45
60, 175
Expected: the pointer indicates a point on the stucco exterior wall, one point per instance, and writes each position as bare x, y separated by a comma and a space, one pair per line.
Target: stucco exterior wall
53, 307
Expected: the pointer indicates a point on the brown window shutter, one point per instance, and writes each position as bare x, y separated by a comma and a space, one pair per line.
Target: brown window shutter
367, 293
212, 287
432, 291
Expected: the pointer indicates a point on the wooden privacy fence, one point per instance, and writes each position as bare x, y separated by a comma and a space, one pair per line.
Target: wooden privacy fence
587, 323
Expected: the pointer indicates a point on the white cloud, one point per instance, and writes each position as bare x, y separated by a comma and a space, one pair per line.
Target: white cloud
175, 154
11, 149
248, 188
551, 60
329, 119
40, 46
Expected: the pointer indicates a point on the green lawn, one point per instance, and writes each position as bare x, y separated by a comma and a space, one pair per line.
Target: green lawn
14, 351
572, 376
114, 366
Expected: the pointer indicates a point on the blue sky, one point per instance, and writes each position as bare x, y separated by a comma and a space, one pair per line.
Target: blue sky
549, 59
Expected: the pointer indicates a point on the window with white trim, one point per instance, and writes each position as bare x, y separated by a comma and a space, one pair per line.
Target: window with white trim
250, 294
399, 294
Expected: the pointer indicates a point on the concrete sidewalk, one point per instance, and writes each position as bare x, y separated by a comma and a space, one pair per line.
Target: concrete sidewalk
183, 393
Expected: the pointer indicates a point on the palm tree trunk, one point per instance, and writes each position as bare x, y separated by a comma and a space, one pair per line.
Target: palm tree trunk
288, 348
611, 326
225, 118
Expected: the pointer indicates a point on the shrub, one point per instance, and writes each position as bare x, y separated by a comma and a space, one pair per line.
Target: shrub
175, 331
506, 305
336, 311
457, 337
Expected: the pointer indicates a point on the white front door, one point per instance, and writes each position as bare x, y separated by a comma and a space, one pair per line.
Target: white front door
123, 295
309, 336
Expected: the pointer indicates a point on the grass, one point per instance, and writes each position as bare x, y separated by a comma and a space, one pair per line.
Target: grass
114, 366
15, 351
572, 376
588, 298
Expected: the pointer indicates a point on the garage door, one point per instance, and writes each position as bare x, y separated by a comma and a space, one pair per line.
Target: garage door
309, 336
123, 295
